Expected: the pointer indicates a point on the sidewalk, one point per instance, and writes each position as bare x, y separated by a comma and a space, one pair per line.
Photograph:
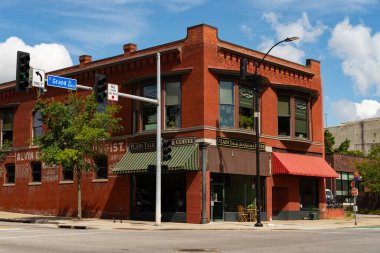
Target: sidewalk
64, 222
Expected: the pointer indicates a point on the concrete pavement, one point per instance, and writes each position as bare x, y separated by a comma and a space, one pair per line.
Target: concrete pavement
92, 223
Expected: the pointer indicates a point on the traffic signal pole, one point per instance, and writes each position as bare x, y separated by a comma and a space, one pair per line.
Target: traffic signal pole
158, 144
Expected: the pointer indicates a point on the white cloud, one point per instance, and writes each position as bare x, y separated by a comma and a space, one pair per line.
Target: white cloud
42, 56
181, 5
360, 53
285, 51
247, 31
346, 110
301, 28
321, 6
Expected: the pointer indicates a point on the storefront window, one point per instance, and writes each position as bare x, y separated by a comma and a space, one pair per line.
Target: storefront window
149, 110
173, 104
173, 193
10, 173
101, 167
246, 120
309, 197
36, 171
67, 174
226, 100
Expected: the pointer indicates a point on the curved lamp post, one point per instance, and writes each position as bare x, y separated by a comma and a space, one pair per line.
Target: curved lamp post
256, 85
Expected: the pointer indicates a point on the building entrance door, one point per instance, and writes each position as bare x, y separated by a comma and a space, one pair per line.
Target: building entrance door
217, 202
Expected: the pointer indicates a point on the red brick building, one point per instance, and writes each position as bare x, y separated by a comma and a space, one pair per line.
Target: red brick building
207, 112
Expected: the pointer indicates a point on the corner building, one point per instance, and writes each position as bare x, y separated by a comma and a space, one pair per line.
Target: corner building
208, 113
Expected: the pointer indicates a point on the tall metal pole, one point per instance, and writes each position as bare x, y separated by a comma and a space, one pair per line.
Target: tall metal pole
257, 90
203, 146
158, 144
256, 85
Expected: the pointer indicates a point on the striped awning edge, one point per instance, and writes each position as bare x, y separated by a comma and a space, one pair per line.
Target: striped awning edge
183, 158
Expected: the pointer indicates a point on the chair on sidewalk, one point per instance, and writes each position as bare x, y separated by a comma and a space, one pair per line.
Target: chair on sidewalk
242, 216
252, 214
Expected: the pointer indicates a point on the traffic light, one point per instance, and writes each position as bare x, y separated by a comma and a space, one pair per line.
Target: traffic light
166, 150
22, 71
100, 88
243, 68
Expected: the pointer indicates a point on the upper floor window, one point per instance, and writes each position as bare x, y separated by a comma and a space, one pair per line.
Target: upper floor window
301, 122
149, 110
10, 173
246, 120
283, 109
37, 124
293, 116
6, 128
226, 104
173, 104
101, 167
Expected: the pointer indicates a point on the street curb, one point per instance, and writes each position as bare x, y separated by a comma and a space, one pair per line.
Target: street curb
72, 226
27, 220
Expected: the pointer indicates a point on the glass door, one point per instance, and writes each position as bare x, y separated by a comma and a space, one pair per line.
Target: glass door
217, 202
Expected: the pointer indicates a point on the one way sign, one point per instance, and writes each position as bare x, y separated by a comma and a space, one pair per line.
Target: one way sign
38, 79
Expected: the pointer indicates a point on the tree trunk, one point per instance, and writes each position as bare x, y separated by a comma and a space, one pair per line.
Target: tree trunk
79, 181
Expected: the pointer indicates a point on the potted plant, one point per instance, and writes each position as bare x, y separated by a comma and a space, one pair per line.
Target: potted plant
246, 122
251, 206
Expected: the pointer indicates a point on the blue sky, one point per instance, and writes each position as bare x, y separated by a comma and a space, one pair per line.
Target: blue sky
344, 35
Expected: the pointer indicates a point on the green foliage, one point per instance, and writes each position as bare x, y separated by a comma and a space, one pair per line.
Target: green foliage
343, 149
5, 149
370, 170
329, 142
75, 131
251, 206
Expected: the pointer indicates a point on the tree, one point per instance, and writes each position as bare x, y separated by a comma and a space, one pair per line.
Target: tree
370, 170
75, 132
329, 142
343, 149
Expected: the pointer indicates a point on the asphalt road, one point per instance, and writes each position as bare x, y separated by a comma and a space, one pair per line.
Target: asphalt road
16, 238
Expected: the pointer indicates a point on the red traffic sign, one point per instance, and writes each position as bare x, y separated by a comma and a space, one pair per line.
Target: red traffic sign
354, 192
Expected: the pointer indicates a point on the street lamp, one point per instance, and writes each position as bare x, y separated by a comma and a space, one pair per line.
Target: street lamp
256, 84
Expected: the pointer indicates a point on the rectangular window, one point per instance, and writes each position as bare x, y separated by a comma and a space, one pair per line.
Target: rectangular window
226, 101
149, 110
283, 109
246, 119
10, 173
36, 171
67, 174
101, 167
301, 126
7, 129
37, 125
173, 104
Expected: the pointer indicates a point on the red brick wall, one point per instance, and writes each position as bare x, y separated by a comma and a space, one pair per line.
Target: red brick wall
194, 196
290, 189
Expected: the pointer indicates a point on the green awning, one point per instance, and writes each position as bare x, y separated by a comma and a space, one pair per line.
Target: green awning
183, 158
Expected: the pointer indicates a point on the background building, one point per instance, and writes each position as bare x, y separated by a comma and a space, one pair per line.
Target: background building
207, 112
363, 134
